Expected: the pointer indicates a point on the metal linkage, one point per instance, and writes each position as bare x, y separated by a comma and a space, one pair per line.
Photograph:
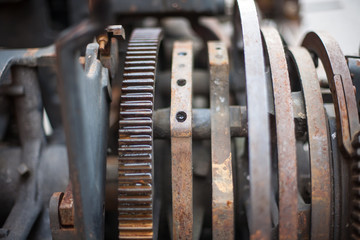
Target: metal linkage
222, 177
181, 140
285, 134
342, 89
85, 97
259, 217
318, 145
135, 192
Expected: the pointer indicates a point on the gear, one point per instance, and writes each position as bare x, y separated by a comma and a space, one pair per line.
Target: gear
135, 192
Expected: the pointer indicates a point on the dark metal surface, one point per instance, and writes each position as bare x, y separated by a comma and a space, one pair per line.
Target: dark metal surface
181, 141
258, 123
135, 190
222, 176
172, 7
342, 89
285, 135
25, 57
85, 99
321, 193
201, 126
354, 68
29, 121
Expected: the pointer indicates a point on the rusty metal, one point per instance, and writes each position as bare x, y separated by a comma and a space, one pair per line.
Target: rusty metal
66, 208
285, 134
318, 146
135, 190
181, 141
258, 123
340, 83
201, 123
57, 230
222, 177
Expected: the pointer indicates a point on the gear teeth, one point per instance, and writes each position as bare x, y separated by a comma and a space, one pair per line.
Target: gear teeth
355, 191
135, 189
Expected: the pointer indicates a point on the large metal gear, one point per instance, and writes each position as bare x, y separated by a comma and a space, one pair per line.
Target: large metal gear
136, 135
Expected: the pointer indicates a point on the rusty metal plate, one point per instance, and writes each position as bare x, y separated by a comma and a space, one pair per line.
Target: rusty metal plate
342, 89
318, 145
259, 217
285, 133
222, 177
181, 140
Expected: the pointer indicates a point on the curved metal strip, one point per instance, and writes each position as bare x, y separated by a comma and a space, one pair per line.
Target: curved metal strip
222, 179
342, 89
318, 145
258, 123
181, 140
285, 133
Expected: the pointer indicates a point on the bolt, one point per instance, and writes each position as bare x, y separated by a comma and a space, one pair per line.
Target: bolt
181, 116
23, 169
102, 41
181, 82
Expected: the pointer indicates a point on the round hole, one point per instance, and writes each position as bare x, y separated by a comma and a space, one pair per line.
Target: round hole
182, 53
181, 65
181, 116
181, 82
218, 48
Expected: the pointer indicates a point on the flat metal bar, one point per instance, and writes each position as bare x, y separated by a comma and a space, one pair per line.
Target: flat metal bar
181, 140
318, 145
222, 179
341, 86
285, 135
259, 217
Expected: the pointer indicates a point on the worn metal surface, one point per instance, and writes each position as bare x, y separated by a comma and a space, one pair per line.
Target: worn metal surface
318, 146
258, 123
222, 176
57, 231
31, 57
172, 7
181, 141
85, 100
354, 68
66, 208
342, 89
135, 189
28, 111
285, 135
201, 123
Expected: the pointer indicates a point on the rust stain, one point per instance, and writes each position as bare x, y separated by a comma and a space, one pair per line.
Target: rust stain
31, 52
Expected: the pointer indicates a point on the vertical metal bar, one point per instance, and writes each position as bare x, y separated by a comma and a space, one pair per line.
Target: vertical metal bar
319, 146
259, 217
222, 179
181, 140
285, 135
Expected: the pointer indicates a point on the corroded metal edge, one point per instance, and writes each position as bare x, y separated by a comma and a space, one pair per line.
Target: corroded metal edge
181, 140
285, 134
318, 145
222, 177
